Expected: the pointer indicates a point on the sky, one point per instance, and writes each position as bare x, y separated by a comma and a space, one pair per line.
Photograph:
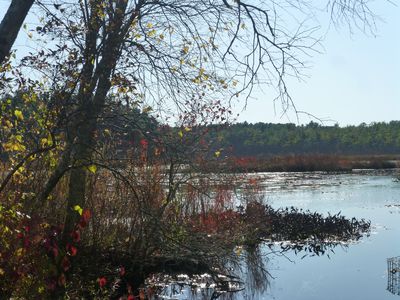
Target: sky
355, 79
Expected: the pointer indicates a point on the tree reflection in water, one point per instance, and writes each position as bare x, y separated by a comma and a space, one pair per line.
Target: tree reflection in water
253, 271
286, 230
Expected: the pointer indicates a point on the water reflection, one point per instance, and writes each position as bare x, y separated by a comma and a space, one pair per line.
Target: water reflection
281, 231
204, 286
393, 266
371, 196
252, 281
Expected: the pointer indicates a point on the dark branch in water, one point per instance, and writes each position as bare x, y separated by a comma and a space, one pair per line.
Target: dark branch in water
298, 230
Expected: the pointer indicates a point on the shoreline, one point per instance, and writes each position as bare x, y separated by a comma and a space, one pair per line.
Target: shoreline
308, 163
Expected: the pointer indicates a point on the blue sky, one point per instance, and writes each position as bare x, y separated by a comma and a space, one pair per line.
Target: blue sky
356, 79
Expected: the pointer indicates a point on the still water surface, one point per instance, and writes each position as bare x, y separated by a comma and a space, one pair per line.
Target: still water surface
355, 271
358, 271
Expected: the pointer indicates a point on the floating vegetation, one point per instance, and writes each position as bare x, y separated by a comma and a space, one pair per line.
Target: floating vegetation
303, 232
295, 229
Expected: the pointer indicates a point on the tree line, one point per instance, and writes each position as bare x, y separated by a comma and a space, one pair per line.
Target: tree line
266, 139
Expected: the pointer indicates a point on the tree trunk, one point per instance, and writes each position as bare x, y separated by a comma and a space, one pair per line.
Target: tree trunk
84, 143
11, 24
81, 158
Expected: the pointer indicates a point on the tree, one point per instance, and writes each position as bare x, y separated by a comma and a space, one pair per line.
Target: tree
11, 24
196, 55
189, 52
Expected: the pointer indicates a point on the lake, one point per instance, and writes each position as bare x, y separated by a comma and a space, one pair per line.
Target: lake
355, 271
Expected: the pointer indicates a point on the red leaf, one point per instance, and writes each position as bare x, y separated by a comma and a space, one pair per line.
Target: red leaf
76, 236
61, 280
71, 250
27, 242
144, 143
82, 223
86, 215
51, 285
55, 251
65, 264
102, 282
84, 218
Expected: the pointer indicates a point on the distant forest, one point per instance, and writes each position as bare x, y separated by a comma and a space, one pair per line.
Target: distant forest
265, 139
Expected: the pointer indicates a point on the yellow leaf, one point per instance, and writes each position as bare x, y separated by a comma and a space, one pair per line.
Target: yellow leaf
147, 109
152, 33
107, 132
19, 252
18, 114
44, 142
78, 209
122, 89
187, 129
217, 153
18, 137
102, 14
185, 49
92, 168
53, 161
19, 171
180, 133
14, 146
196, 80
49, 140
45, 225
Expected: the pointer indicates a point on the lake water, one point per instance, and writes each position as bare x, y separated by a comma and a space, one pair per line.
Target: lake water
355, 271
358, 271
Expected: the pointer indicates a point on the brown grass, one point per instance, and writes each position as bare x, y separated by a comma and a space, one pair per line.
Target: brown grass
307, 163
